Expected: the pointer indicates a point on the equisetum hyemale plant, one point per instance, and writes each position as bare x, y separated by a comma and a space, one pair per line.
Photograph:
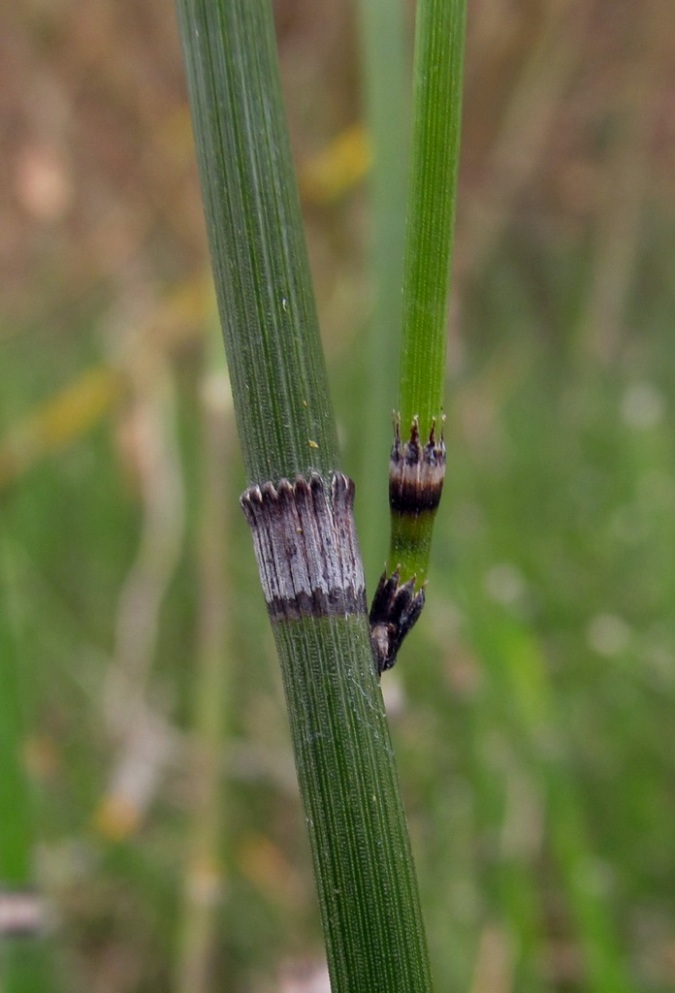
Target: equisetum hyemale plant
300, 505
417, 462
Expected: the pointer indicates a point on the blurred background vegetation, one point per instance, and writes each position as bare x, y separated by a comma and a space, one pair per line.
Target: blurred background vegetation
532, 709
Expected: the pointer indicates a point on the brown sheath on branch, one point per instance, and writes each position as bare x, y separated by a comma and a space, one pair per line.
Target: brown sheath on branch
393, 613
416, 472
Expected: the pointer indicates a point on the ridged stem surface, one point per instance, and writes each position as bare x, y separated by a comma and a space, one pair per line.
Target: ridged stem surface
437, 105
363, 866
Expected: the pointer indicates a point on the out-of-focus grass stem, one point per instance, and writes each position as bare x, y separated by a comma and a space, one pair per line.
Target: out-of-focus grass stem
386, 74
520, 683
204, 878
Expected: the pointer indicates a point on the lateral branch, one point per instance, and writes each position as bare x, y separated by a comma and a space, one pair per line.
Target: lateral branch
416, 474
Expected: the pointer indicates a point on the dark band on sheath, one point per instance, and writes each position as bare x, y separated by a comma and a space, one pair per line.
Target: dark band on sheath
416, 471
306, 547
23, 913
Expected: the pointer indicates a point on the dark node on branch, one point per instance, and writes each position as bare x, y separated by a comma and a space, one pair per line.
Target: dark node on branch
393, 613
23, 913
416, 471
306, 547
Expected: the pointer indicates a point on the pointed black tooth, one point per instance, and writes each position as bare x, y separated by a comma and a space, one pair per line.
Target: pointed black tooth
380, 606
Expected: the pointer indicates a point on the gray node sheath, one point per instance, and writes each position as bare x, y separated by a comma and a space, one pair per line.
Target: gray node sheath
306, 547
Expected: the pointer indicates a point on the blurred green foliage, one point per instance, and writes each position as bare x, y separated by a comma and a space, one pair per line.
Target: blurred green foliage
531, 709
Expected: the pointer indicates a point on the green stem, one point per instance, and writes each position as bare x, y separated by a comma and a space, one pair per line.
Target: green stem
365, 874
362, 861
259, 258
437, 105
